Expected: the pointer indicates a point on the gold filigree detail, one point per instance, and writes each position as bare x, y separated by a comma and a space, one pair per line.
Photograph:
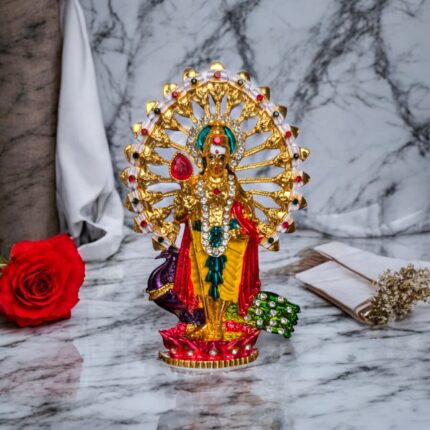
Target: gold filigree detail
213, 364
217, 66
169, 88
264, 123
265, 91
150, 106
244, 75
249, 110
156, 294
167, 118
189, 73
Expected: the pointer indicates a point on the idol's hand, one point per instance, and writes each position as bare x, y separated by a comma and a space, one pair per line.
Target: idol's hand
183, 205
189, 202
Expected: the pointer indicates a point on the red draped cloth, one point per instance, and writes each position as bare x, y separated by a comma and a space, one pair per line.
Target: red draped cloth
250, 281
183, 286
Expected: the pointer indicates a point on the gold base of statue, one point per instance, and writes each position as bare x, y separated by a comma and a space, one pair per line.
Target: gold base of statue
215, 364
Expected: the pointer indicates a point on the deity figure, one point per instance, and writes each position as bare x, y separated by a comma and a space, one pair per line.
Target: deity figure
218, 255
211, 282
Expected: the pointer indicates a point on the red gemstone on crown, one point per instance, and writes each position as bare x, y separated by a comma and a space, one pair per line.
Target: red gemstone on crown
217, 74
144, 223
132, 178
288, 134
217, 140
216, 191
285, 224
181, 168
175, 94
144, 131
260, 98
298, 179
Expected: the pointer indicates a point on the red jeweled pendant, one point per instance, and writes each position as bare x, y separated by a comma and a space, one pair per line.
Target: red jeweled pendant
285, 224
217, 140
288, 134
181, 168
216, 191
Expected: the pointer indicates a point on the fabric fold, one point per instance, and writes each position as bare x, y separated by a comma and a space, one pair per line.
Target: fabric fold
88, 203
365, 263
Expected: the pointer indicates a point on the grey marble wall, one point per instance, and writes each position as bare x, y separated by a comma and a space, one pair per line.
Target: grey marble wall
354, 74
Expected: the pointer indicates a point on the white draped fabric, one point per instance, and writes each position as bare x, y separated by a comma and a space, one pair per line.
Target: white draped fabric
89, 206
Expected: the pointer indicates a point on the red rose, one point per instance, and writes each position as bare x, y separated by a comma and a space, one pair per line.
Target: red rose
41, 281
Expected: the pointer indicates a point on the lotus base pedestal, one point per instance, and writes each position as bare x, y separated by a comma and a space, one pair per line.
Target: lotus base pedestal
236, 349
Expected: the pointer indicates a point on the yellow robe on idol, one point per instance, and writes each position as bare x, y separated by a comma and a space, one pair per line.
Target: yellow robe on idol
232, 273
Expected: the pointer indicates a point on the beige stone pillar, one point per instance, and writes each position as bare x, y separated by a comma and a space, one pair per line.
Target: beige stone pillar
30, 48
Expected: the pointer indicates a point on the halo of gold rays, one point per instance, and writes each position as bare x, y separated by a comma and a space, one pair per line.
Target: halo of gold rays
227, 91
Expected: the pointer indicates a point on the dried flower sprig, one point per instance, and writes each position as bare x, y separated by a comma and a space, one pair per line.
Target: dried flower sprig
397, 292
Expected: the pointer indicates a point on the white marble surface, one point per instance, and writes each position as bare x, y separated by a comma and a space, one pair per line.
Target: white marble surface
99, 370
354, 75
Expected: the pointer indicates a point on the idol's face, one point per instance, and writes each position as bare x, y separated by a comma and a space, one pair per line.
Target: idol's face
216, 164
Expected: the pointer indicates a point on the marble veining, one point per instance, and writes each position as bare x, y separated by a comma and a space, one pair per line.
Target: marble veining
353, 74
99, 370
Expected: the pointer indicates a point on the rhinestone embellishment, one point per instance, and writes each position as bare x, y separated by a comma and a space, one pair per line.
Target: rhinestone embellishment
216, 251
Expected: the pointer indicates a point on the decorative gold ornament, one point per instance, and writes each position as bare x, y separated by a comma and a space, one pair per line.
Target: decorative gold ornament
156, 294
226, 101
198, 160
216, 364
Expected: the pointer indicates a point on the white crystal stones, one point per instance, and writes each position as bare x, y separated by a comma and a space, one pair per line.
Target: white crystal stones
215, 251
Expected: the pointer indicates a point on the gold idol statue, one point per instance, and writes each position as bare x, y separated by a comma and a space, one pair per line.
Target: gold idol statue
188, 168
